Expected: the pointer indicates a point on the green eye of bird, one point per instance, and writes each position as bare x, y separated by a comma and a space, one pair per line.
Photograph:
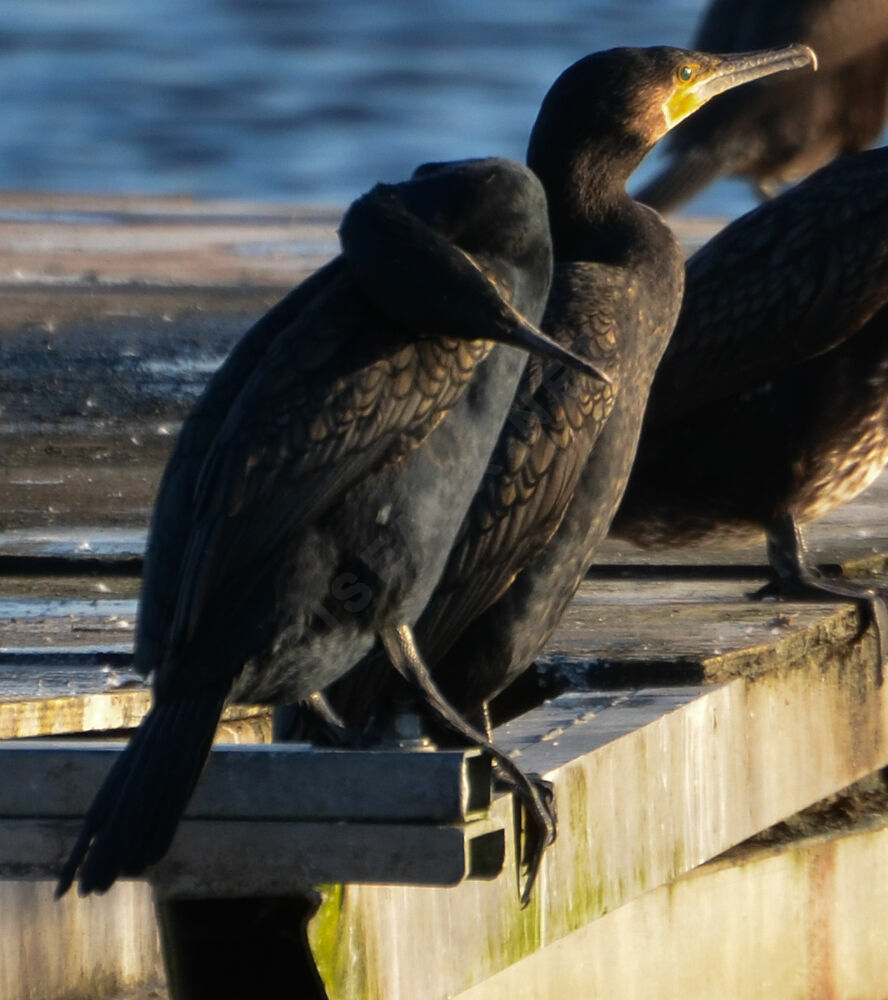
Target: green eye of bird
685, 73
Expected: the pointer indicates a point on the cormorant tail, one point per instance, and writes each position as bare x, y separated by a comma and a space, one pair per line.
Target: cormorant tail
678, 182
134, 816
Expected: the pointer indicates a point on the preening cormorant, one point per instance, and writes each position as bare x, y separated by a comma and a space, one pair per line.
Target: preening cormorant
316, 487
778, 131
564, 455
770, 407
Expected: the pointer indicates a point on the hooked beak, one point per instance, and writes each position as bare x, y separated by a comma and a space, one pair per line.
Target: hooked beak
506, 324
518, 331
729, 71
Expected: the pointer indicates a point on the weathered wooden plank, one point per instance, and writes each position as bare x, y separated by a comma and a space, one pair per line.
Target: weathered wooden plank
68, 671
691, 624
95, 239
45, 713
76, 714
104, 551
50, 503
616, 632
658, 619
41, 629
289, 781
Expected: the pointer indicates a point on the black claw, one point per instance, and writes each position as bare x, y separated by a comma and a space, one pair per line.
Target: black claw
535, 826
769, 589
310, 723
877, 614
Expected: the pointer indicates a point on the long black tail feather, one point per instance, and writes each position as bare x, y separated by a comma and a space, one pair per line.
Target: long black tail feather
134, 816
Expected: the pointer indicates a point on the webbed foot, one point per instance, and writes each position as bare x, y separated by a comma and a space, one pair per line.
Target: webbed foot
797, 578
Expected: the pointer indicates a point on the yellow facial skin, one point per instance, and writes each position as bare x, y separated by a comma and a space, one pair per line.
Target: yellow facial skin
684, 99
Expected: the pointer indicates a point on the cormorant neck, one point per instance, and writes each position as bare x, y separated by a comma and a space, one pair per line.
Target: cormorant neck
590, 212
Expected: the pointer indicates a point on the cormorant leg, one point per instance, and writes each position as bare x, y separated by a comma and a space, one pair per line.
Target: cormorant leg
797, 577
405, 657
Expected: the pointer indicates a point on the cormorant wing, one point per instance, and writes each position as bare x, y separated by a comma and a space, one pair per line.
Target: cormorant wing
171, 521
341, 393
552, 425
788, 281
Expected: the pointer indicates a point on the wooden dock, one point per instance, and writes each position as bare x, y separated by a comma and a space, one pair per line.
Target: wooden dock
717, 762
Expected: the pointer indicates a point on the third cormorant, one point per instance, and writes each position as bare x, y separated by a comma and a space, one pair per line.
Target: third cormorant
770, 407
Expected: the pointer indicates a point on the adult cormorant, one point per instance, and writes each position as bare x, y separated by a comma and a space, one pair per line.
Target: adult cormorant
770, 407
564, 455
317, 485
778, 131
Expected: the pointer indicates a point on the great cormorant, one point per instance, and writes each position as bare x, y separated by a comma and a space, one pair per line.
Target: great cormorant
770, 407
564, 455
317, 485
778, 131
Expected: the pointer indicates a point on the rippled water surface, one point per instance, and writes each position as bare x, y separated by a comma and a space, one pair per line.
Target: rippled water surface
300, 100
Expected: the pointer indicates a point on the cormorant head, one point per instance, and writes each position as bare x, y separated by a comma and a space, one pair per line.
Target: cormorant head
615, 105
495, 210
461, 250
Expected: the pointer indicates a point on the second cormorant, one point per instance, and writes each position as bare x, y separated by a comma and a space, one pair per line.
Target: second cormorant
564, 456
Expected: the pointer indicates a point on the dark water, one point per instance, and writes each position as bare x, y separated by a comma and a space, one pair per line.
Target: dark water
301, 100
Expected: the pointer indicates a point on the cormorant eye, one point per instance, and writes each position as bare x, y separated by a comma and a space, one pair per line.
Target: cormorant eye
686, 73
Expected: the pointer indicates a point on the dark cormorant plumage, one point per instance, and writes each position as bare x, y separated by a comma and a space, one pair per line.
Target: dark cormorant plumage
316, 487
564, 455
771, 405
778, 131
